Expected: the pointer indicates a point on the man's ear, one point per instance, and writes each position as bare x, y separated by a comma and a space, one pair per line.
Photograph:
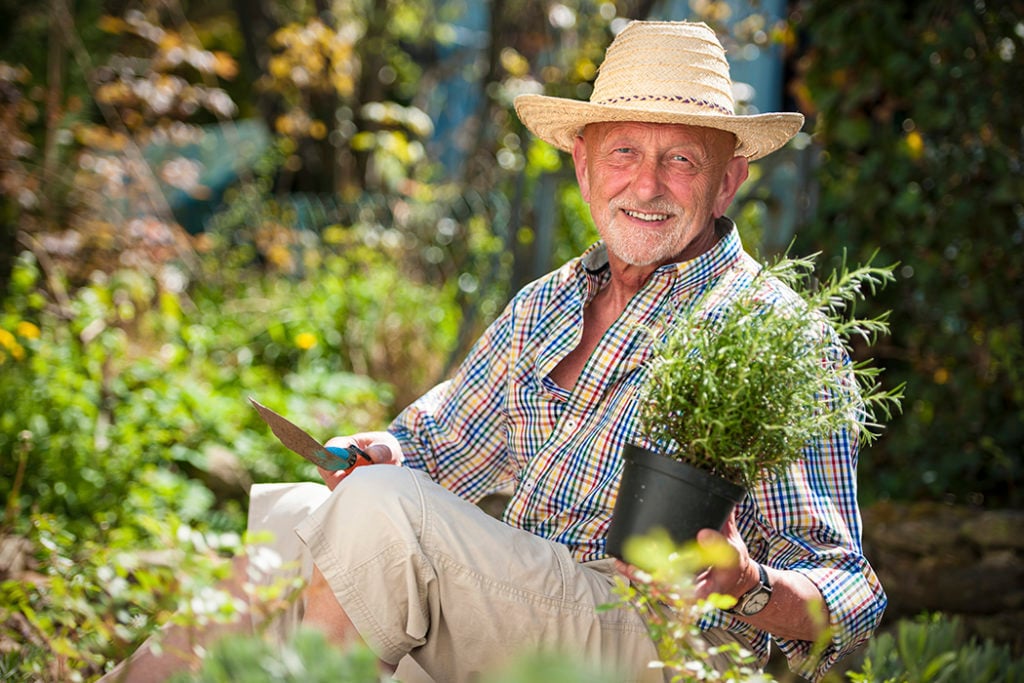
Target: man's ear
736, 171
579, 159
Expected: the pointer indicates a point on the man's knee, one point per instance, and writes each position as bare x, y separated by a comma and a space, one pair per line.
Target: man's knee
373, 508
378, 489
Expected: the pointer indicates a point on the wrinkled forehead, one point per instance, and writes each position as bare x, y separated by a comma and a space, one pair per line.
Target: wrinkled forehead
663, 134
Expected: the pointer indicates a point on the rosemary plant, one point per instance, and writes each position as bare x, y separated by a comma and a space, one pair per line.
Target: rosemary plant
741, 391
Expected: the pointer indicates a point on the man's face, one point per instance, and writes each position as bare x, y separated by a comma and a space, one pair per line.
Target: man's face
655, 189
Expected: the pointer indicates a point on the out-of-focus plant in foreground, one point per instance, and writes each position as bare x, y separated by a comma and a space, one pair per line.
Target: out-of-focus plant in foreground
666, 594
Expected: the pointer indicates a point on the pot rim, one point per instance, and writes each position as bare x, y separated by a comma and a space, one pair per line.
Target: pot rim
641, 456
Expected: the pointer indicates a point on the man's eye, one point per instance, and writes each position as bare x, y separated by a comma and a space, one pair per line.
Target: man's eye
680, 158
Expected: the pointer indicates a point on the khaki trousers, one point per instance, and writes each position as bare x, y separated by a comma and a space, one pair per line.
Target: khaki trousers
435, 585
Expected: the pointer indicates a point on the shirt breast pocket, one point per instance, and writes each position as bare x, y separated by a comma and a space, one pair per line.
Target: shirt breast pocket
534, 410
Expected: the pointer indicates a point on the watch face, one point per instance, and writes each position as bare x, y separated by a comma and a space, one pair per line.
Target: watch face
756, 602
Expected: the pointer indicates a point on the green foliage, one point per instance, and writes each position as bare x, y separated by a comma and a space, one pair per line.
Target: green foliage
91, 601
932, 649
344, 302
551, 668
97, 394
741, 391
666, 594
121, 398
307, 657
917, 108
113, 395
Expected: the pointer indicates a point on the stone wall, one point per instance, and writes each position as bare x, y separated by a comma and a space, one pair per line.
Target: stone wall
955, 560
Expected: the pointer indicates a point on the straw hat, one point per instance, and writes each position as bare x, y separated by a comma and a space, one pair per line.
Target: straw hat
660, 72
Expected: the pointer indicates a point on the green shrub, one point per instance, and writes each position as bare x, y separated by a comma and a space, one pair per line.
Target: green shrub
916, 105
91, 602
118, 398
307, 658
127, 376
932, 649
738, 392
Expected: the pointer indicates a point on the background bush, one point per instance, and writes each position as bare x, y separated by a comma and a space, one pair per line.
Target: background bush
917, 109
934, 648
125, 417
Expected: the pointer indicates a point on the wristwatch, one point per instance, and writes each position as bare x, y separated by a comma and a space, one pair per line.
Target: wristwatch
755, 599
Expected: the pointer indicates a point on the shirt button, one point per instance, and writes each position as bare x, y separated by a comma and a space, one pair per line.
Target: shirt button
570, 424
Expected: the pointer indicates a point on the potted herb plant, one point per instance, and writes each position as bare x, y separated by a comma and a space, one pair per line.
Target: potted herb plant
735, 393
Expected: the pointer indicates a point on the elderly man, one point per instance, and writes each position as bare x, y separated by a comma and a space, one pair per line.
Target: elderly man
546, 401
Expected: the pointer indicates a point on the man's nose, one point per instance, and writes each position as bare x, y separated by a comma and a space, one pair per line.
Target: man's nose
647, 182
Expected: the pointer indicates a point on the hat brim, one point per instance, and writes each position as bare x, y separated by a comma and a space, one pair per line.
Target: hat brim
558, 121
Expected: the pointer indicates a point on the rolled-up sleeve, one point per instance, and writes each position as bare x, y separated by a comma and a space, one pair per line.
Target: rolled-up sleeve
809, 522
821, 538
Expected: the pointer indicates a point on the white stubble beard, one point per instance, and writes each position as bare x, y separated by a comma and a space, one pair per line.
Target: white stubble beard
645, 248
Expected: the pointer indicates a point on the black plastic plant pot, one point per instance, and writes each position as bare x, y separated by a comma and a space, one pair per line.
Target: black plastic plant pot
657, 492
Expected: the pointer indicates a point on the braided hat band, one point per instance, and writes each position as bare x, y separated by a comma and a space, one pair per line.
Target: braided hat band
660, 72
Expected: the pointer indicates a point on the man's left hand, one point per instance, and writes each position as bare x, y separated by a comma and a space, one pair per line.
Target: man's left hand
728, 578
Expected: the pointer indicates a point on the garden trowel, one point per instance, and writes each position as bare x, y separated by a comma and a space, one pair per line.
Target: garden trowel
296, 439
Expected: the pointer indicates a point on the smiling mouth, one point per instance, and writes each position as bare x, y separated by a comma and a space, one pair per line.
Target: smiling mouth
648, 217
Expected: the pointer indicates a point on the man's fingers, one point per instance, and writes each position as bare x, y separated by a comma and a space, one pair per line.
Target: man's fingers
627, 570
380, 453
729, 529
709, 537
332, 477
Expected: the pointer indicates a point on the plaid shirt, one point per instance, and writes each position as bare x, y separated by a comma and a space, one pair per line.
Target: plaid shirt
501, 420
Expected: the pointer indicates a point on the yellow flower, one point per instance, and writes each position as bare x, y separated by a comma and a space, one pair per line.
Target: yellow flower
280, 257
317, 130
915, 144
278, 67
224, 65
8, 341
585, 69
27, 330
514, 63
305, 340
111, 24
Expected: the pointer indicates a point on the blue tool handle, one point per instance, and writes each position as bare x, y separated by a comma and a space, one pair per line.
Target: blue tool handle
347, 458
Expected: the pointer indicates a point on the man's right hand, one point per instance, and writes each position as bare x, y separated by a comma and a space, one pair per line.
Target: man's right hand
382, 447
